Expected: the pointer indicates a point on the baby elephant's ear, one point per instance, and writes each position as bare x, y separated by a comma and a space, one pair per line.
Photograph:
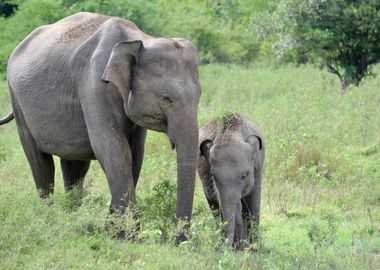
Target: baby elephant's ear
205, 148
257, 147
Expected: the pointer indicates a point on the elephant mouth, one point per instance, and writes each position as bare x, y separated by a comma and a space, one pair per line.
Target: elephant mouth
172, 144
155, 122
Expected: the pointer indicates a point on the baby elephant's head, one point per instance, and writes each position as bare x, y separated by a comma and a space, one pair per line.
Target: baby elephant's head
232, 164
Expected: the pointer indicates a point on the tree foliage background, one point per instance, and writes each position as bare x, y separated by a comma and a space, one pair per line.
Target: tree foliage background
219, 28
340, 35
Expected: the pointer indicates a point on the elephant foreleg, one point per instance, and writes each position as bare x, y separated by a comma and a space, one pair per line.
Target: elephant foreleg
137, 144
251, 208
107, 126
208, 187
116, 161
211, 196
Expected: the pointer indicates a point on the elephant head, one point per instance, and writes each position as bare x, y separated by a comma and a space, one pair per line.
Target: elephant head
232, 163
158, 81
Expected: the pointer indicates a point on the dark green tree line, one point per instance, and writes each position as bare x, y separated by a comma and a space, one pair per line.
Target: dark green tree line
220, 28
340, 35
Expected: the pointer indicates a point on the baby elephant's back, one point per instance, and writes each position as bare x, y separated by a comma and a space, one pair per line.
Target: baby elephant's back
234, 125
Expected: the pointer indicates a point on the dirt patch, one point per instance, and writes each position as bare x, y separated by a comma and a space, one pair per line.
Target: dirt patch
228, 125
83, 30
128, 24
230, 122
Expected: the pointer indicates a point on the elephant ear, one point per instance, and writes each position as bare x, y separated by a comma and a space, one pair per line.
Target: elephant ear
205, 147
120, 65
257, 147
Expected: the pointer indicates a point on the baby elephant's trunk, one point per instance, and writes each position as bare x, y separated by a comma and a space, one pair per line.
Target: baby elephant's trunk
232, 214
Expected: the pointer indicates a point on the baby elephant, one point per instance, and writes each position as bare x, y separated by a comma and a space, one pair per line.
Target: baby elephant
230, 166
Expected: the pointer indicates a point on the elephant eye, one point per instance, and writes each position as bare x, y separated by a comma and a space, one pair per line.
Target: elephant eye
167, 99
244, 175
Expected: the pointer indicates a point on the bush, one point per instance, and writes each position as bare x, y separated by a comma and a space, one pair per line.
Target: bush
7, 9
340, 35
158, 210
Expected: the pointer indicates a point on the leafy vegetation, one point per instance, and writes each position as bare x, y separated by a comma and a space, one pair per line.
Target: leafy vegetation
340, 35
232, 31
7, 9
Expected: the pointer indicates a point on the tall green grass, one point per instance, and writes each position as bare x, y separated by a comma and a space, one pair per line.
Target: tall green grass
321, 188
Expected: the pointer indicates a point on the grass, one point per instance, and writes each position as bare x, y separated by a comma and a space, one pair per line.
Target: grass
321, 193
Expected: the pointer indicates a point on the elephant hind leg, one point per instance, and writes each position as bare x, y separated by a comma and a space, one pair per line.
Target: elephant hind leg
251, 209
41, 164
74, 172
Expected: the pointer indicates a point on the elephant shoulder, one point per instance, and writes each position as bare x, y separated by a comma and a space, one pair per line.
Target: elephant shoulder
121, 29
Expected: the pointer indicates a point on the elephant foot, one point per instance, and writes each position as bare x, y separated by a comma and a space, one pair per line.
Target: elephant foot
180, 238
129, 236
121, 234
124, 226
253, 249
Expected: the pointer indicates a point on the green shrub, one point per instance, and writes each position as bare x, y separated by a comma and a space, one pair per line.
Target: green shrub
158, 210
341, 35
322, 235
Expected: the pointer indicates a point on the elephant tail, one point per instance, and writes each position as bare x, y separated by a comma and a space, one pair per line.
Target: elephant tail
7, 119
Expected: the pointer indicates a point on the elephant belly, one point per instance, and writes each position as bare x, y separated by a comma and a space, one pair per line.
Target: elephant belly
66, 138
56, 123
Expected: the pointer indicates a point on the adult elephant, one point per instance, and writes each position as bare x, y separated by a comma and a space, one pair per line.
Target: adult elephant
88, 87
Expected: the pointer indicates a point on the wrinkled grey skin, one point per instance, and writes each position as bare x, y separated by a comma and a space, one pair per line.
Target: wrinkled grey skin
230, 167
88, 87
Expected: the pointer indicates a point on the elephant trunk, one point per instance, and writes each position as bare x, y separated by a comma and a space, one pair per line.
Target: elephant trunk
183, 132
232, 215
